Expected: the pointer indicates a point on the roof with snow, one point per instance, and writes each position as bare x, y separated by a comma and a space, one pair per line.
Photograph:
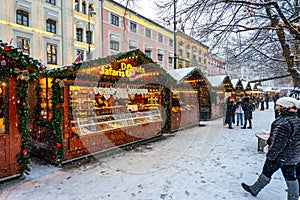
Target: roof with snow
179, 74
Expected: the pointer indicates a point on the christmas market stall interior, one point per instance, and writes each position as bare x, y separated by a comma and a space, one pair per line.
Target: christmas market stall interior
221, 88
17, 71
92, 106
193, 95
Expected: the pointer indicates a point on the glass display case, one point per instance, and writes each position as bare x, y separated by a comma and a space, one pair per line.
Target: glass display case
96, 109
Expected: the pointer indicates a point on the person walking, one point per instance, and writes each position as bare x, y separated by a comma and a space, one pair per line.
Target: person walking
247, 107
239, 112
267, 99
284, 149
230, 110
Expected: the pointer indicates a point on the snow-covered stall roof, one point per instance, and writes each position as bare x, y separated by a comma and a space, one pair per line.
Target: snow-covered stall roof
179, 74
216, 81
234, 82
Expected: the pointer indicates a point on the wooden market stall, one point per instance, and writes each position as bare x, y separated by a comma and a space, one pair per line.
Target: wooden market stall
221, 88
193, 95
17, 70
99, 105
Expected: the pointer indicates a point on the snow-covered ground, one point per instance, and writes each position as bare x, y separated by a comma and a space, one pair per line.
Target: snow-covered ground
201, 163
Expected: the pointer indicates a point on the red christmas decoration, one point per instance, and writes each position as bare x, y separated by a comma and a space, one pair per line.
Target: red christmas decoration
6, 48
25, 151
58, 145
58, 106
69, 69
37, 81
40, 77
139, 52
23, 104
43, 68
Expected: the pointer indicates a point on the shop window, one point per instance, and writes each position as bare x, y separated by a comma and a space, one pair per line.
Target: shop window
79, 34
114, 19
51, 26
51, 2
148, 33
114, 45
76, 7
51, 54
23, 44
45, 109
133, 27
3, 106
22, 18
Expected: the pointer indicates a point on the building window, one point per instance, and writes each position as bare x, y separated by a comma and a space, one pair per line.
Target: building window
89, 37
51, 25
80, 54
133, 27
187, 64
24, 44
180, 52
148, 53
170, 59
159, 57
76, 7
160, 38
114, 19
22, 18
188, 55
83, 7
79, 34
200, 59
51, 54
51, 2
114, 45
171, 42
148, 33
179, 64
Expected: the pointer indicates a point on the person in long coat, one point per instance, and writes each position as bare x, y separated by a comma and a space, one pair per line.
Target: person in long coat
230, 111
247, 107
284, 149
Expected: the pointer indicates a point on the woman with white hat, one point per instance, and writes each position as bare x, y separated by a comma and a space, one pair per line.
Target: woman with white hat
284, 149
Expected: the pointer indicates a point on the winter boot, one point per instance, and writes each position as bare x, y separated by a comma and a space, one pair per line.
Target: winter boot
293, 190
254, 189
299, 185
250, 125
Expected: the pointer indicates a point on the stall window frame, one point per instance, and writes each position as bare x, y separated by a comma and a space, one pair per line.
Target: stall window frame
7, 104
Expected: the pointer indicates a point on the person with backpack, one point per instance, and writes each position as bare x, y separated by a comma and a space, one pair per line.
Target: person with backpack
284, 149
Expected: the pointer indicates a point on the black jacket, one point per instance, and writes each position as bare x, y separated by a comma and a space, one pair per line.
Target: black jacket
284, 140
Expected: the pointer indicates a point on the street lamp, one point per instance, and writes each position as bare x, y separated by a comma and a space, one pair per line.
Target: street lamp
91, 13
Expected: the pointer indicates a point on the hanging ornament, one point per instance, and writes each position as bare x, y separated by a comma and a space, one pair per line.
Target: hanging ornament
25, 151
6, 48
69, 69
43, 68
3, 62
58, 145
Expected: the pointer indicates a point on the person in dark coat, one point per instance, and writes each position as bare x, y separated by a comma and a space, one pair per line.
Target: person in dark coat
230, 110
248, 108
284, 149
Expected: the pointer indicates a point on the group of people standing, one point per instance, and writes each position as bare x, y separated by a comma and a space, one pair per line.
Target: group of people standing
241, 110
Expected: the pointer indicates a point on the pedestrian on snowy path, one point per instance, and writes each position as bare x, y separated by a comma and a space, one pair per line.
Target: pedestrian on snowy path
248, 108
230, 112
284, 149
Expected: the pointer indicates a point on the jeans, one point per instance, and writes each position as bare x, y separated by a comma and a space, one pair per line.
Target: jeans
288, 171
239, 118
230, 121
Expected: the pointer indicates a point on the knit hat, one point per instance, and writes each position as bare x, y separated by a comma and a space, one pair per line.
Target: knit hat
288, 102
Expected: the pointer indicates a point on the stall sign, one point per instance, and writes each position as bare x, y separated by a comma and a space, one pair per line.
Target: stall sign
126, 70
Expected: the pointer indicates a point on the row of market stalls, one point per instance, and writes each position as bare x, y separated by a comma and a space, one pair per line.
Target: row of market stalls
84, 108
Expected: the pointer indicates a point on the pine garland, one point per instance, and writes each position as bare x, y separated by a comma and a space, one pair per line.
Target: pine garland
22, 112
